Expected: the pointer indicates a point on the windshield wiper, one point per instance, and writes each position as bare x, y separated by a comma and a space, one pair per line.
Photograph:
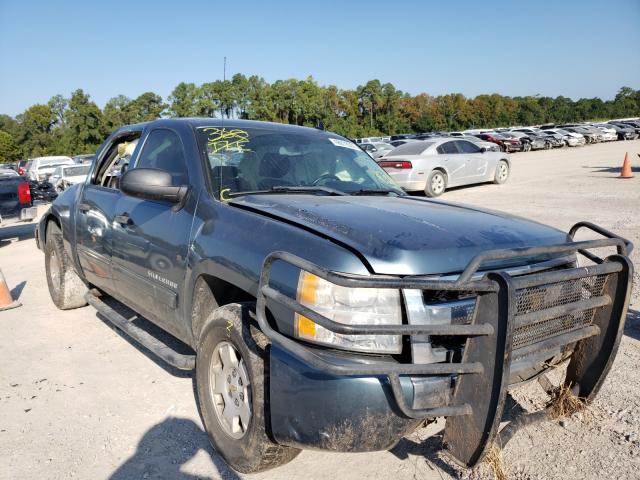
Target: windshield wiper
374, 191
289, 189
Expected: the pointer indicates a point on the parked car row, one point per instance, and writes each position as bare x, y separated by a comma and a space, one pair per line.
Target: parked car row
436, 164
433, 161
48, 176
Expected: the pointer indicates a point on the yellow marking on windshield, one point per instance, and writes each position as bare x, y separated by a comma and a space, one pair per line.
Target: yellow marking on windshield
222, 192
223, 139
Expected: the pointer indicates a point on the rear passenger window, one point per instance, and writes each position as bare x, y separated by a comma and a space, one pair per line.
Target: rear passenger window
467, 147
447, 148
163, 150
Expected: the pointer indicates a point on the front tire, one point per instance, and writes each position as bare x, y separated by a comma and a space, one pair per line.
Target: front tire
436, 184
502, 172
66, 288
232, 388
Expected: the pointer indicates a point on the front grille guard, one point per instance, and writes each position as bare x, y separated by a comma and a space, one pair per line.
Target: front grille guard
483, 373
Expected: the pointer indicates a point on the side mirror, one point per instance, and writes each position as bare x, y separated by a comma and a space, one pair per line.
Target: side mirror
152, 184
483, 149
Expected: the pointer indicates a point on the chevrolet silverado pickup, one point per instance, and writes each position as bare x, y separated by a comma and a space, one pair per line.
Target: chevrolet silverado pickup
321, 306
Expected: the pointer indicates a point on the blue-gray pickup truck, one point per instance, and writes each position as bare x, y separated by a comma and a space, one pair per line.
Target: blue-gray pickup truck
320, 306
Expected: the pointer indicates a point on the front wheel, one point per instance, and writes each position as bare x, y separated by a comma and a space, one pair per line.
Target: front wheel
232, 388
502, 172
436, 184
66, 288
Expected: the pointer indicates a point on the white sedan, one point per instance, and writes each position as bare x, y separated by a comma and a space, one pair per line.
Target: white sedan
65, 176
434, 165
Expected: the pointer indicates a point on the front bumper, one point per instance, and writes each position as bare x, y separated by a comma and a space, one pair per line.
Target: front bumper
319, 400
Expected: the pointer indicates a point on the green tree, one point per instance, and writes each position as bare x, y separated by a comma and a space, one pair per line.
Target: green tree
84, 124
58, 105
117, 112
34, 130
182, 101
148, 106
8, 149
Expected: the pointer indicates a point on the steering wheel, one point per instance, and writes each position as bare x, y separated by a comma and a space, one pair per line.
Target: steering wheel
326, 176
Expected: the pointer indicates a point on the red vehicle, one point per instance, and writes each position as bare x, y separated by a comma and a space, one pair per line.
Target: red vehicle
506, 144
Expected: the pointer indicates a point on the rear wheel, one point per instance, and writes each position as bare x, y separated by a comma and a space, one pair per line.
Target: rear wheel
502, 172
232, 388
66, 288
436, 184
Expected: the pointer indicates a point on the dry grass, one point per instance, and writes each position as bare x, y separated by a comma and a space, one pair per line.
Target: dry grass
564, 403
495, 461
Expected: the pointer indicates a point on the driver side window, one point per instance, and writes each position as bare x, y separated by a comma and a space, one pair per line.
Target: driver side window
163, 150
116, 161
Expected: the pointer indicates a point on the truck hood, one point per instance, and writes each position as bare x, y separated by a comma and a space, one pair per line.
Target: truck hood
407, 235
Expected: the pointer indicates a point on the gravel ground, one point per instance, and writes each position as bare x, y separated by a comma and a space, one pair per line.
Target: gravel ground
79, 401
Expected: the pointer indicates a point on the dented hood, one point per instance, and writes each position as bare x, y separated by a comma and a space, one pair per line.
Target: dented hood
406, 235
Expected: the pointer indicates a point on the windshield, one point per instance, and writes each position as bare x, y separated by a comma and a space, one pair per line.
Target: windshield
49, 162
75, 171
7, 173
261, 159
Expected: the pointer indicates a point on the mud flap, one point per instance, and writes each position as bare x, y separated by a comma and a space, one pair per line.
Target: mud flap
467, 437
593, 356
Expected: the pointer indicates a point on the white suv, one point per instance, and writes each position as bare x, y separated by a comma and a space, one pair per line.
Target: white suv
42, 167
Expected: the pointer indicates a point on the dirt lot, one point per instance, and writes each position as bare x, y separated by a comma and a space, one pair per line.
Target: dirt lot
79, 401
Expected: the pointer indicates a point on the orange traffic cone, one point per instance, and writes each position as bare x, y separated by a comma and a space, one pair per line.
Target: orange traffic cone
626, 172
6, 302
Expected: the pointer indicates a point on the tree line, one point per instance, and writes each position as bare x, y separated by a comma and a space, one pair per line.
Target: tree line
75, 124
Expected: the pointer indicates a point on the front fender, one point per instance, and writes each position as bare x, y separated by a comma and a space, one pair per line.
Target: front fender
62, 211
230, 243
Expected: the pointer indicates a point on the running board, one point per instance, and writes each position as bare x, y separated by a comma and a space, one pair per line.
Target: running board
141, 336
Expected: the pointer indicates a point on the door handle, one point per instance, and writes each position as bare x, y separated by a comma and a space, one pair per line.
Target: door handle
84, 207
123, 219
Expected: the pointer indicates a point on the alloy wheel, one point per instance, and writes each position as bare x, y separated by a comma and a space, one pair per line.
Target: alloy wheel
230, 390
437, 183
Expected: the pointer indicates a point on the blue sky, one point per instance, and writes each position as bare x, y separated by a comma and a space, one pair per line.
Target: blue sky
572, 48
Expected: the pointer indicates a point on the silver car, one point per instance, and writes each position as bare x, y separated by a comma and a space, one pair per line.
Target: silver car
438, 163
376, 149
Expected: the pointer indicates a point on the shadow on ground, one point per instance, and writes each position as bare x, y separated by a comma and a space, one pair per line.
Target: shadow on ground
17, 290
17, 232
165, 448
615, 170
431, 448
632, 326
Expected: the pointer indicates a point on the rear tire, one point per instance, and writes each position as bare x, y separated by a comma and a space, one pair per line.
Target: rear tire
502, 172
66, 288
436, 184
231, 344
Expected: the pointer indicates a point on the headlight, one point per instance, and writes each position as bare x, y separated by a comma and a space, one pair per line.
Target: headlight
355, 306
